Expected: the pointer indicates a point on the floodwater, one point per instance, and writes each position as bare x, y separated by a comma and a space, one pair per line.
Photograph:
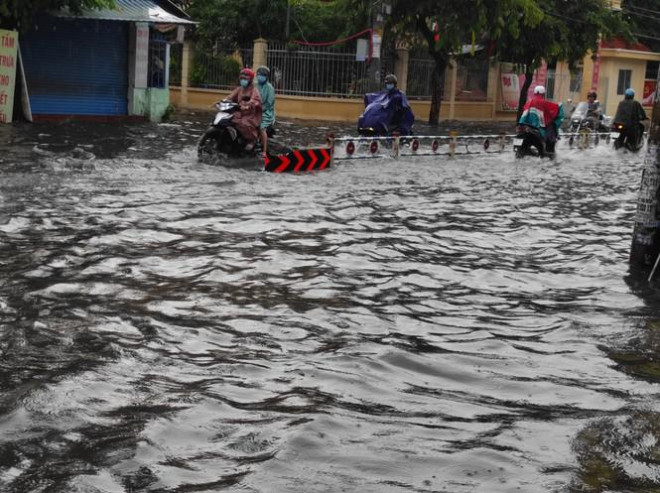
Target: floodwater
420, 325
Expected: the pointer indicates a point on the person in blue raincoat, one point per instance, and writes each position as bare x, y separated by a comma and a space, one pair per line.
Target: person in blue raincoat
267, 93
387, 111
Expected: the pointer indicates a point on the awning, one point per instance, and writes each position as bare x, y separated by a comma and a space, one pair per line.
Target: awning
130, 11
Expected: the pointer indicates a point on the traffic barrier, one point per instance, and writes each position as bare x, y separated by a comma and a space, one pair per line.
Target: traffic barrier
345, 148
299, 161
452, 145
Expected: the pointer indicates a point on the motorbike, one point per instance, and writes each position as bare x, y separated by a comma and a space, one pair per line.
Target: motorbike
579, 120
529, 142
381, 118
623, 136
223, 139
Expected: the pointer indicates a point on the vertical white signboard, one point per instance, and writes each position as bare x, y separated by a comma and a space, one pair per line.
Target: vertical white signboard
8, 63
141, 55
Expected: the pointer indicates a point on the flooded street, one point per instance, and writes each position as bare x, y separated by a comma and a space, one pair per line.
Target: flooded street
420, 325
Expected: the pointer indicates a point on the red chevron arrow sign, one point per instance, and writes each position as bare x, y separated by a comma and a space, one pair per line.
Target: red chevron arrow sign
300, 160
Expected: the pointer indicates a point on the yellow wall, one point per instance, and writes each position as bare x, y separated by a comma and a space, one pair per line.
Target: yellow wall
348, 110
339, 109
609, 77
613, 60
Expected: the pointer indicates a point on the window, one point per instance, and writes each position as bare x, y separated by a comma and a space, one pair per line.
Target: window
625, 76
576, 80
550, 82
472, 79
158, 58
652, 70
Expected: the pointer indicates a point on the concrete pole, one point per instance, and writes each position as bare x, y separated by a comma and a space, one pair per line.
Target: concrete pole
379, 9
259, 49
185, 71
401, 67
645, 249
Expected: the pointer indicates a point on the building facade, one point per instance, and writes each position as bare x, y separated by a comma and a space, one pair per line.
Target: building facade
101, 64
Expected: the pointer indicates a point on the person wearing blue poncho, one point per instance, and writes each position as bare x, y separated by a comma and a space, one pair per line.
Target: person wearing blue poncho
267, 93
386, 112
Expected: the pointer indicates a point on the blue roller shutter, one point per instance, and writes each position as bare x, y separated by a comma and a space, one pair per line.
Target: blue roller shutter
77, 67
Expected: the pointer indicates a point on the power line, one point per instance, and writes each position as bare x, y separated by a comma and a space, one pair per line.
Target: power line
554, 14
638, 14
646, 36
642, 9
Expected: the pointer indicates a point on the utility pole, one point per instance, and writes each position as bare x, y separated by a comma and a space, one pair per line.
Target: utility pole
645, 248
288, 20
379, 9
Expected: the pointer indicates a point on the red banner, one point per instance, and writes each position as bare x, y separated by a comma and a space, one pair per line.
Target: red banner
649, 92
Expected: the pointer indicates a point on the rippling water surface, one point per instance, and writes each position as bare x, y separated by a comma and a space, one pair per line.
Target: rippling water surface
421, 325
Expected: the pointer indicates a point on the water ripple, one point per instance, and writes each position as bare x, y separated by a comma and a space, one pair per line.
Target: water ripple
422, 325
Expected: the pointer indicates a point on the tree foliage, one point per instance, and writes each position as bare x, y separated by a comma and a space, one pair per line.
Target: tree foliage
557, 31
458, 22
235, 24
18, 14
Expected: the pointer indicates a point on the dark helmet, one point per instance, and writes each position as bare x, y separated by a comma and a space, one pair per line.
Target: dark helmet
263, 70
246, 73
390, 79
592, 93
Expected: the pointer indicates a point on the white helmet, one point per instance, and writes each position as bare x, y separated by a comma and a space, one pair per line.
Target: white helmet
539, 90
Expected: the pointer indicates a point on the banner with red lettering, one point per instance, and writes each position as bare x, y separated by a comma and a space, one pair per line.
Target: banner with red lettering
511, 83
510, 91
649, 92
8, 63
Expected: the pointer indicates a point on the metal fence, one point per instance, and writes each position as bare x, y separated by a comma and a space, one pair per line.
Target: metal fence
219, 70
420, 74
303, 71
316, 71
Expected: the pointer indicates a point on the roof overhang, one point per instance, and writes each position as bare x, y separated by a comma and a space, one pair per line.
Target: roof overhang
130, 11
629, 54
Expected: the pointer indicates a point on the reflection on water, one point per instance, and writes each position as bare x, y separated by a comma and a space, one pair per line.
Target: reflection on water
428, 325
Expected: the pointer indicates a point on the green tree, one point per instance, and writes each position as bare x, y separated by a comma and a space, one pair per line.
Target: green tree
18, 14
235, 24
446, 26
556, 30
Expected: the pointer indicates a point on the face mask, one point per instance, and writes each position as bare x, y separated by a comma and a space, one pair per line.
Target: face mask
261, 79
244, 82
389, 87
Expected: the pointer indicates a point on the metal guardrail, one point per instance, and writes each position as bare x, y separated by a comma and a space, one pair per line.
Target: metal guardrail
345, 148
418, 145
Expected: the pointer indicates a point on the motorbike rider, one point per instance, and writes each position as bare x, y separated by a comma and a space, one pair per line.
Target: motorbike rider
248, 118
543, 115
631, 114
594, 111
401, 106
386, 111
267, 93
